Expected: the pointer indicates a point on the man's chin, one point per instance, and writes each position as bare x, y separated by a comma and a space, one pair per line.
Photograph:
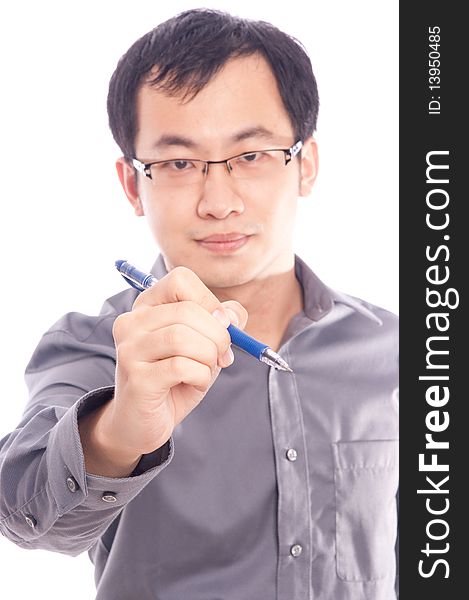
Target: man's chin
218, 272
222, 278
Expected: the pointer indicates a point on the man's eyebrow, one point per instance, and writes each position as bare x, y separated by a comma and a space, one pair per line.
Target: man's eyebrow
174, 140
253, 132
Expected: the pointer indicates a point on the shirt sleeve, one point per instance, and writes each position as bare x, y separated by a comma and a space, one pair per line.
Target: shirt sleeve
47, 499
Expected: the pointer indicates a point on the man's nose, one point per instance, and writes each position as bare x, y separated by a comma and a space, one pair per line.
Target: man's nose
219, 196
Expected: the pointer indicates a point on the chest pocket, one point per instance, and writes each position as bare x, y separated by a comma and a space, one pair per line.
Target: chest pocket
366, 481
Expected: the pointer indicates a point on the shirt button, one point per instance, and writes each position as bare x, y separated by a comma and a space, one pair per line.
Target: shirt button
292, 454
72, 484
296, 550
108, 497
30, 520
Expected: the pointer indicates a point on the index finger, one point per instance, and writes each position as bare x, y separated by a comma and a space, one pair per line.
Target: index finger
178, 285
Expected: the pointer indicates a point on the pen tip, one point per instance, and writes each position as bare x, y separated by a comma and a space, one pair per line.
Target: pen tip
275, 360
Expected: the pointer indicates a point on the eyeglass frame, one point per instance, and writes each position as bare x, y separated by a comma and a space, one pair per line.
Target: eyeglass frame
145, 168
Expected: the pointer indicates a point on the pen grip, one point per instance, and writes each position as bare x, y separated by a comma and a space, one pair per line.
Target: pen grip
246, 342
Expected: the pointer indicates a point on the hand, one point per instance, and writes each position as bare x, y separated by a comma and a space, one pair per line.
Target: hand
170, 349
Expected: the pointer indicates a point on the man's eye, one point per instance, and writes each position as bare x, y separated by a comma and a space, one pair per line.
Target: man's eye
251, 157
175, 165
181, 165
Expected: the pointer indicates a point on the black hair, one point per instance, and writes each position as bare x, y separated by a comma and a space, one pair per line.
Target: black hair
186, 51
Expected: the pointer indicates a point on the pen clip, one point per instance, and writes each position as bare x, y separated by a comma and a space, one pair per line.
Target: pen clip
133, 284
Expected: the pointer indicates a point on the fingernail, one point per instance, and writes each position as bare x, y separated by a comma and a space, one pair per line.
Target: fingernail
228, 358
232, 316
221, 316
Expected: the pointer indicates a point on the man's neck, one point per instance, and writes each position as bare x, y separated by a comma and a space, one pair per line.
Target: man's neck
270, 302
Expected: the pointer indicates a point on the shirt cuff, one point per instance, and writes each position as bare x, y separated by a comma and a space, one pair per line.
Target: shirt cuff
71, 485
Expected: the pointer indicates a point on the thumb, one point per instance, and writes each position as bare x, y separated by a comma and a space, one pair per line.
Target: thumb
236, 312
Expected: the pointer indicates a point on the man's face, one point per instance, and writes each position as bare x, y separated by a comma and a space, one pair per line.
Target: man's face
240, 110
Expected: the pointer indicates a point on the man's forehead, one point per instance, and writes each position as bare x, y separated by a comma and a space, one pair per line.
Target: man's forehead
241, 102
184, 88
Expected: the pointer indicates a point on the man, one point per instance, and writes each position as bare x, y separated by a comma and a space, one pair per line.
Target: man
187, 468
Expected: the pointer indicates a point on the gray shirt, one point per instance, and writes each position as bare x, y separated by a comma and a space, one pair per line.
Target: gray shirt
277, 486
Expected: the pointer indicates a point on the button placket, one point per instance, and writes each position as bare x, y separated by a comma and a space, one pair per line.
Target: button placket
294, 520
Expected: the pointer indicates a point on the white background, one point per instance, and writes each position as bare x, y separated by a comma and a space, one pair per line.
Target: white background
61, 204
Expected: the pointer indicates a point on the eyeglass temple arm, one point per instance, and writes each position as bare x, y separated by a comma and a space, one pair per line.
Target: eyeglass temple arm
293, 151
138, 165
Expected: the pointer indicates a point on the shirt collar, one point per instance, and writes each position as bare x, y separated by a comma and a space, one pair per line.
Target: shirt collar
159, 269
318, 298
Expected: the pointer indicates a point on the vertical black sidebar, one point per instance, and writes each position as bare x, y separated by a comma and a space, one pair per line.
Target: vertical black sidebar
434, 163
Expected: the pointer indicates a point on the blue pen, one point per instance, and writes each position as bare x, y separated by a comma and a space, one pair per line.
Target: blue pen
141, 281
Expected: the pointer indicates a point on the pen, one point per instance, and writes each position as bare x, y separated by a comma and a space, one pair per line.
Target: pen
141, 281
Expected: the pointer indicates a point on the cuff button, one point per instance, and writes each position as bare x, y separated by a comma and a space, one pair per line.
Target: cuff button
109, 497
72, 484
30, 520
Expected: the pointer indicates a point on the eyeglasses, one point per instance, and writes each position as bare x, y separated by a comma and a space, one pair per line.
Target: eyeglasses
255, 165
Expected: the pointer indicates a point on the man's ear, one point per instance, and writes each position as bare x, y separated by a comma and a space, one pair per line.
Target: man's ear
128, 181
309, 166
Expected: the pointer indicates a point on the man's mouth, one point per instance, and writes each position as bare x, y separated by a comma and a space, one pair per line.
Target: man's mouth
224, 242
